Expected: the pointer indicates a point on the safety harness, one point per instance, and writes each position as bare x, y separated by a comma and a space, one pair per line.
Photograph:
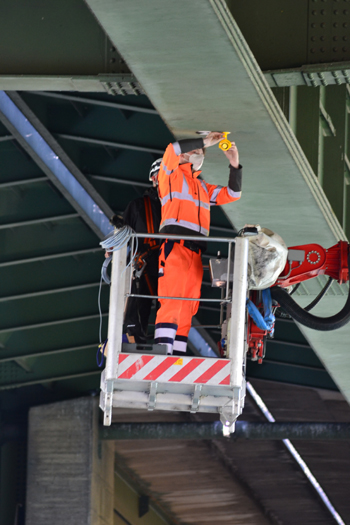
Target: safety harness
141, 259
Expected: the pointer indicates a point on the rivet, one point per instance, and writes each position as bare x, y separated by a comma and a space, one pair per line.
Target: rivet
345, 38
322, 38
335, 25
322, 50
112, 60
323, 12
314, 12
345, 24
313, 50
335, 49
335, 38
345, 49
346, 12
313, 38
112, 49
313, 25
323, 25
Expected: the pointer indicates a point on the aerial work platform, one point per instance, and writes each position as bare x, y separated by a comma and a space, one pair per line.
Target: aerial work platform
161, 382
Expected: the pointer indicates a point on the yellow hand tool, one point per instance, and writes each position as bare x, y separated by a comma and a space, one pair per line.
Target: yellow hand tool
225, 144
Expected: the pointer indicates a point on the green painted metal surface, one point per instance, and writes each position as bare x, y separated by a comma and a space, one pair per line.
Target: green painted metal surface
285, 34
74, 43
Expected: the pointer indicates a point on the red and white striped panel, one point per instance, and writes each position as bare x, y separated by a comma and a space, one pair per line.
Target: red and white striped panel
174, 369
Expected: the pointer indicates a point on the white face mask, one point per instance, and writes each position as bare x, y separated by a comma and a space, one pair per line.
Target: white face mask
196, 160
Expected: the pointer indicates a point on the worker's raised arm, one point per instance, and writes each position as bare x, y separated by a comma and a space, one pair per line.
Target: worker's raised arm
171, 156
232, 192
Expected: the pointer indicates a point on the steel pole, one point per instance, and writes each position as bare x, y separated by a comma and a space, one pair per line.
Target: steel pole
116, 312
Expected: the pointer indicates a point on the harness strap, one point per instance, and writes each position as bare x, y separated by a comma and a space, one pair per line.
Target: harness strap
149, 220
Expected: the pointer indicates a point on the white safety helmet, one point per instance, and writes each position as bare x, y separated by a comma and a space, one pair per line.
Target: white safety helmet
153, 172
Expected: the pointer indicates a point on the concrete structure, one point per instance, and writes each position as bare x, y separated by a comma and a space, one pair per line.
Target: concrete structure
70, 473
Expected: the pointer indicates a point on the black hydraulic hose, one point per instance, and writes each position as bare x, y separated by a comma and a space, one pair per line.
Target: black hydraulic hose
320, 295
303, 317
295, 289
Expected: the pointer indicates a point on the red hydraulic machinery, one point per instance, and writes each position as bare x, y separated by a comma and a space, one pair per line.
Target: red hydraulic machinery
304, 262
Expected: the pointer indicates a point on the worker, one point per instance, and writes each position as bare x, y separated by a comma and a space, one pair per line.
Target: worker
143, 216
186, 202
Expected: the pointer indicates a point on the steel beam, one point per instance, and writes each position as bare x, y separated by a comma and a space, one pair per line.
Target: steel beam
29, 355
49, 257
295, 374
51, 323
119, 181
315, 75
39, 221
334, 149
49, 379
21, 182
304, 120
50, 157
113, 84
110, 144
97, 102
49, 292
5, 138
243, 430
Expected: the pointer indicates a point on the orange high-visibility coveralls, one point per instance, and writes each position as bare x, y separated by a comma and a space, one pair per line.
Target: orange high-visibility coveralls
186, 202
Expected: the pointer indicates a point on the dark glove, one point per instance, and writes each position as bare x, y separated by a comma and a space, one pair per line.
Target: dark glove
117, 221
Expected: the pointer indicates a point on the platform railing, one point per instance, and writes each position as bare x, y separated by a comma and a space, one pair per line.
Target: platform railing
236, 342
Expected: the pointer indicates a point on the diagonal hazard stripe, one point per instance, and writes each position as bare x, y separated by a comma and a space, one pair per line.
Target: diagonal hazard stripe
141, 362
161, 368
122, 357
225, 381
187, 369
219, 365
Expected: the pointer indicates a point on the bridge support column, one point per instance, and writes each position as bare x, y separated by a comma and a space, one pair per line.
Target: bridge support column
70, 473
